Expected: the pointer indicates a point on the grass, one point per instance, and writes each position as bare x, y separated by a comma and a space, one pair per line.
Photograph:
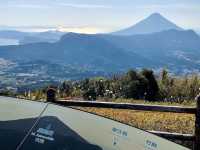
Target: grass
157, 121
184, 103
169, 122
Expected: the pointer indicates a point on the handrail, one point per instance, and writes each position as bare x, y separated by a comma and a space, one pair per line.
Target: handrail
142, 107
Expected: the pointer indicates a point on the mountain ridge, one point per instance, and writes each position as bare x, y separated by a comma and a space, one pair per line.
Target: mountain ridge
77, 49
153, 23
175, 48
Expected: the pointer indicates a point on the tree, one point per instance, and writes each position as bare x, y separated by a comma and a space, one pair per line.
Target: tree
164, 77
99, 86
194, 86
85, 84
90, 94
152, 88
165, 85
134, 85
130, 90
65, 89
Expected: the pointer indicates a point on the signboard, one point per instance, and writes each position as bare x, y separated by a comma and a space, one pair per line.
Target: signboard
63, 128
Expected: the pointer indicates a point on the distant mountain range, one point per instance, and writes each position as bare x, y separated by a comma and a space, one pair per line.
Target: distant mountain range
198, 31
154, 23
11, 34
152, 43
170, 48
48, 36
77, 49
29, 37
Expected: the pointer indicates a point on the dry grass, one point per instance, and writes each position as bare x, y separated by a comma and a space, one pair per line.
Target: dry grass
159, 121
170, 122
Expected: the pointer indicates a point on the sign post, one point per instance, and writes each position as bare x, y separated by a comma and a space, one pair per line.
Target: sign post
197, 125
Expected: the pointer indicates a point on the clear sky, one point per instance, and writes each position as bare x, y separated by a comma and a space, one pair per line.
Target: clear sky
96, 15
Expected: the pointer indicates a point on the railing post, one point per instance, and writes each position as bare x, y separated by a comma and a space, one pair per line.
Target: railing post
197, 125
51, 95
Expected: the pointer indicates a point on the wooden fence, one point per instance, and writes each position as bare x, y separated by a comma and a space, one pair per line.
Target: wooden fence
175, 109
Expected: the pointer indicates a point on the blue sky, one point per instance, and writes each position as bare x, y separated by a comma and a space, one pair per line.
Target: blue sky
96, 15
